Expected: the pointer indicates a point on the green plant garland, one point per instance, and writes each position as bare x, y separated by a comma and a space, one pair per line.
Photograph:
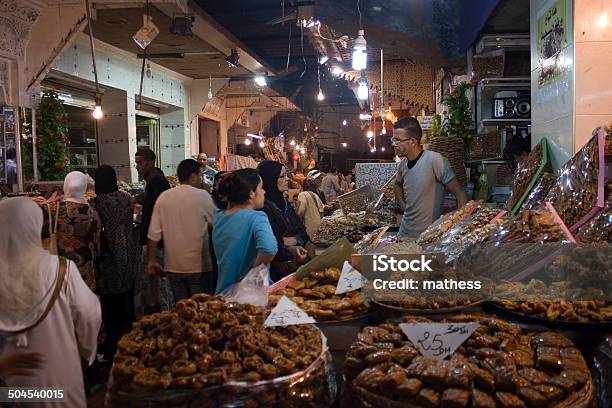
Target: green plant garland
52, 138
458, 122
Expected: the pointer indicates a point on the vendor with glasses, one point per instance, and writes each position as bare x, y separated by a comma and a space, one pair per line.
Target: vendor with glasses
422, 177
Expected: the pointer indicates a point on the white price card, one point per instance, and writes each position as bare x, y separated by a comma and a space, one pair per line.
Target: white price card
287, 313
438, 339
350, 279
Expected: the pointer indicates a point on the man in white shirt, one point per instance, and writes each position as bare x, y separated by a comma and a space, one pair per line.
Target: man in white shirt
181, 217
330, 186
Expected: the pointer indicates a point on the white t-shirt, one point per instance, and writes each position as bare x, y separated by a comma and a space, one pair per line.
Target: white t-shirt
423, 191
180, 217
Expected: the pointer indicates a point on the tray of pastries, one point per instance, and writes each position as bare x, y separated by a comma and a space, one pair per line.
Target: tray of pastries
315, 294
560, 305
499, 365
209, 350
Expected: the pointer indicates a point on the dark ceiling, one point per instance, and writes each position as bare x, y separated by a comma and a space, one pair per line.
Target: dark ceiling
283, 46
510, 16
429, 32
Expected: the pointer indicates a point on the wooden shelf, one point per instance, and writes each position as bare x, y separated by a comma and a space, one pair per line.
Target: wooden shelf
500, 121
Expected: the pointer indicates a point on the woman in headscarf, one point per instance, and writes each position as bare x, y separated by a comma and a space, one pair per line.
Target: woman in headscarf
309, 207
219, 201
45, 307
288, 229
118, 259
78, 227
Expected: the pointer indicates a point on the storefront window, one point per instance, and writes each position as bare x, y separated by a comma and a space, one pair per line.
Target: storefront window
82, 134
147, 134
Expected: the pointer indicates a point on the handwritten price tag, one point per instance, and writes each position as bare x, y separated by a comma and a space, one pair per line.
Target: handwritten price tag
438, 339
287, 313
350, 279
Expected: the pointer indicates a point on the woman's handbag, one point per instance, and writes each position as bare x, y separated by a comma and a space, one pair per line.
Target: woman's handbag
51, 243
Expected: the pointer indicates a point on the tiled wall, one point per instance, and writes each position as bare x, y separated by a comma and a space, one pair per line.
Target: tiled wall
121, 70
593, 44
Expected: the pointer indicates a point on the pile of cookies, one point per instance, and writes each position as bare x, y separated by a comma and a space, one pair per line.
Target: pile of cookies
206, 343
564, 310
499, 365
315, 294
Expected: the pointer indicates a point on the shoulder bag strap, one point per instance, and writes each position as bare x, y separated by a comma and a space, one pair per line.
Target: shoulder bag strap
61, 274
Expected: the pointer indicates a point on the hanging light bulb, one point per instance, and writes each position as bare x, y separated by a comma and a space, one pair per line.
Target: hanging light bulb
344, 144
362, 90
302, 150
320, 96
360, 55
337, 71
97, 112
384, 130
365, 115
210, 94
247, 141
292, 142
262, 144
382, 149
370, 134
261, 80
344, 122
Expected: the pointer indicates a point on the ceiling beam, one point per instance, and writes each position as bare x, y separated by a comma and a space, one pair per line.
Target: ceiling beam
208, 29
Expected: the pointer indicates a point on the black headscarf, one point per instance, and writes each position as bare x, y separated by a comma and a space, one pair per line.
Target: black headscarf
269, 171
105, 179
219, 202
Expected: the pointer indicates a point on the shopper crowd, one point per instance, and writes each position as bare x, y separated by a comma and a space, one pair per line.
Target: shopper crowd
74, 267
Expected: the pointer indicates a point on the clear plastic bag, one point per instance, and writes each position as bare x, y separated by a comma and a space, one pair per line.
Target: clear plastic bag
535, 199
525, 172
515, 246
576, 191
599, 229
445, 223
252, 289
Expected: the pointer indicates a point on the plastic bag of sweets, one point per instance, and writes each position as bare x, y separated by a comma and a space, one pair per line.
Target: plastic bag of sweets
536, 197
580, 183
525, 172
599, 229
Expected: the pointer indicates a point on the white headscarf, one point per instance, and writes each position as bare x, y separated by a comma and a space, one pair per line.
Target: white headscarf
25, 286
75, 187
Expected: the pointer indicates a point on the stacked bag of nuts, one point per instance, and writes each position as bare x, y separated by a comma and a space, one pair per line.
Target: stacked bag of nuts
499, 365
445, 223
599, 229
525, 172
535, 199
576, 191
218, 354
315, 294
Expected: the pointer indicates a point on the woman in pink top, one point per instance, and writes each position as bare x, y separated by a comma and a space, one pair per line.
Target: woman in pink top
28, 276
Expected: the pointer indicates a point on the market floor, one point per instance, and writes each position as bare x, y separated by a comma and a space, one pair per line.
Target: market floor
96, 398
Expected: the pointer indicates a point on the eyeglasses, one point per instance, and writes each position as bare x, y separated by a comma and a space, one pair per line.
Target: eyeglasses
396, 142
